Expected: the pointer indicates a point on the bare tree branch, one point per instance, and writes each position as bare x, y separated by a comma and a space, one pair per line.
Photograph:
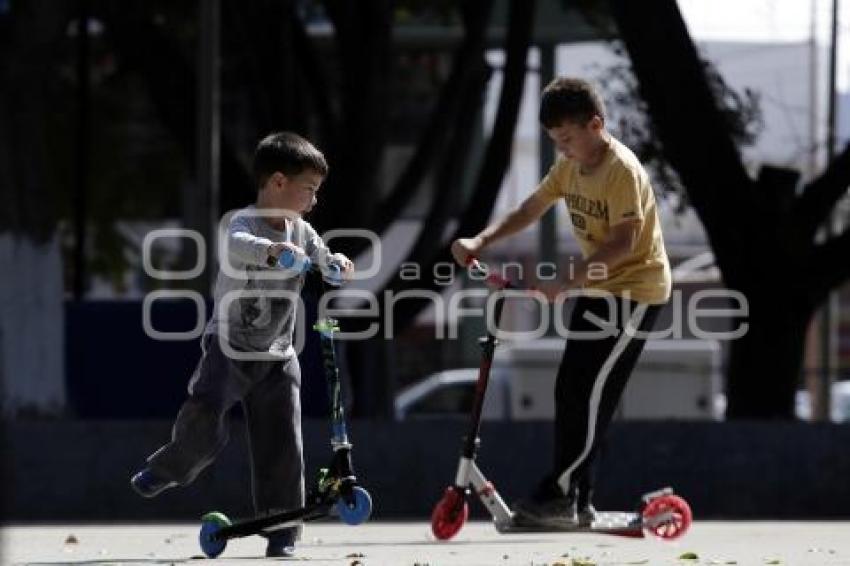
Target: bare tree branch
495, 162
449, 178
683, 107
466, 58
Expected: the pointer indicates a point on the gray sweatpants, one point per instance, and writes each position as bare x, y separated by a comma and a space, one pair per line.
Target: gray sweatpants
270, 396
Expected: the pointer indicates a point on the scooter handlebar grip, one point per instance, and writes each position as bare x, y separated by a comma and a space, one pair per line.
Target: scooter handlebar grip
290, 260
473, 263
333, 275
496, 280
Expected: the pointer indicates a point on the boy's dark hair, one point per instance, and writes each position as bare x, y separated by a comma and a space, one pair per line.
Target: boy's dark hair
288, 153
573, 100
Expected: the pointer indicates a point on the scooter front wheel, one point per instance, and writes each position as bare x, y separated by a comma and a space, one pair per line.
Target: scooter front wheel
667, 517
211, 523
450, 513
357, 509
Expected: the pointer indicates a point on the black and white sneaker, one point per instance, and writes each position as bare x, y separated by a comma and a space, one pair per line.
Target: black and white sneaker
586, 516
556, 512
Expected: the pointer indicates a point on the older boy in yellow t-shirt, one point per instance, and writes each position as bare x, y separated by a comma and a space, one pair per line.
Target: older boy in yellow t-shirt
624, 270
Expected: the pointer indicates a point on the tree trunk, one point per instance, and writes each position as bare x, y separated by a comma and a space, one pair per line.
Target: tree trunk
764, 364
751, 225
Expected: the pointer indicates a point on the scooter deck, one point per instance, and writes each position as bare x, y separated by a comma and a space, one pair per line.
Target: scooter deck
270, 523
620, 523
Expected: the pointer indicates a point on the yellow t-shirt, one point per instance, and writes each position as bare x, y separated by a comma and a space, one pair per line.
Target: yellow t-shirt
617, 190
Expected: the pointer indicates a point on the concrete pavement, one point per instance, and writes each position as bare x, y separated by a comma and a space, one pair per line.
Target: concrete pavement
411, 544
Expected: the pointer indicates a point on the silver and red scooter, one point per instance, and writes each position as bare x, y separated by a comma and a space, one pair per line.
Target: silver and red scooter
660, 513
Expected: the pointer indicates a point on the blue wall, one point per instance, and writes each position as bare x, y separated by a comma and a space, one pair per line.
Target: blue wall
63, 470
115, 371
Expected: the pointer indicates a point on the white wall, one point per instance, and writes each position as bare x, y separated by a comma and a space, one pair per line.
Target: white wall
32, 348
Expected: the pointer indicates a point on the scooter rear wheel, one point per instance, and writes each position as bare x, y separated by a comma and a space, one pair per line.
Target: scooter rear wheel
211, 523
667, 517
450, 513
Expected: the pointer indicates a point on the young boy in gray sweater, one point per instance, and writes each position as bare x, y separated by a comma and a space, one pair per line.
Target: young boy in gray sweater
248, 355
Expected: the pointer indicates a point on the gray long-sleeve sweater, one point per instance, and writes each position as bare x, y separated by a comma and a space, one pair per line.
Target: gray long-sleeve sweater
246, 312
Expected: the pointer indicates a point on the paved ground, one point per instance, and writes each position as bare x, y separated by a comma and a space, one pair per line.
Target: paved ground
410, 544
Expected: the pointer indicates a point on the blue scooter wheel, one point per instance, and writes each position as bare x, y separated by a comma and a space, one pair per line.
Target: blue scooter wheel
211, 523
358, 510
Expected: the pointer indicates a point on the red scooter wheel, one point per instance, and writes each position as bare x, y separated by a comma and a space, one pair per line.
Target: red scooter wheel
667, 517
449, 514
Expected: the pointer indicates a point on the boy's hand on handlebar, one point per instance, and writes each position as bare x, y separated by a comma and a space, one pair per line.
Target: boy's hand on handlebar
277, 248
346, 265
465, 248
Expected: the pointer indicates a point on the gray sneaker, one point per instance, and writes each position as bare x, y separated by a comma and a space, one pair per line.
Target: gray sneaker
281, 544
558, 512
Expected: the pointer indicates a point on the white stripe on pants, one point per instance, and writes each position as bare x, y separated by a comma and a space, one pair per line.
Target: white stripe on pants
629, 330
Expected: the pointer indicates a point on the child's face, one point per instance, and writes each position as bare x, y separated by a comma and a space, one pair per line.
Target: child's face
298, 193
578, 142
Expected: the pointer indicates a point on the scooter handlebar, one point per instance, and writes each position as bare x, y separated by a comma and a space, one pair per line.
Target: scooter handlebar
301, 263
491, 279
